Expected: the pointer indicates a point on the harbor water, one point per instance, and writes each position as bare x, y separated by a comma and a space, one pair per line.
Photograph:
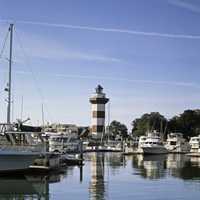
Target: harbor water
112, 176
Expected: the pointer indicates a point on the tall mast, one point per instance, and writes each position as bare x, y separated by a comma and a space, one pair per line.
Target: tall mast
42, 116
10, 74
108, 121
22, 107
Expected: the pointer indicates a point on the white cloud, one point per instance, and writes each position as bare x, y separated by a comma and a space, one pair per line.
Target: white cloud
41, 47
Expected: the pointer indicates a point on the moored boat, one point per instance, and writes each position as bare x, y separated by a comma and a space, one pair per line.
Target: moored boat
195, 144
177, 144
153, 144
19, 149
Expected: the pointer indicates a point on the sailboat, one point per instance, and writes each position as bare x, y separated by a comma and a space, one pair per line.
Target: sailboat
20, 145
110, 145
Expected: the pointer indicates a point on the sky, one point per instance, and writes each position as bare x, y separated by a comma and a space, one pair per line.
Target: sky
145, 54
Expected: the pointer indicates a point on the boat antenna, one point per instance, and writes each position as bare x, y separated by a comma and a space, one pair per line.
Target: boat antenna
10, 74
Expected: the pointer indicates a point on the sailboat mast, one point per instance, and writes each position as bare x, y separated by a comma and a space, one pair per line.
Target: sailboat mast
42, 116
108, 121
10, 74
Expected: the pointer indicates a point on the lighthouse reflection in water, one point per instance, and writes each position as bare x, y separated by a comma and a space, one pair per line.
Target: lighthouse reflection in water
111, 176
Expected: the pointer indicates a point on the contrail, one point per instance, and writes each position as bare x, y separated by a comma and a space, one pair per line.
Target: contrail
114, 30
90, 77
174, 83
185, 5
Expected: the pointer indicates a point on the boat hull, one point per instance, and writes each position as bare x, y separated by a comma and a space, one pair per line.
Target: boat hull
154, 150
16, 162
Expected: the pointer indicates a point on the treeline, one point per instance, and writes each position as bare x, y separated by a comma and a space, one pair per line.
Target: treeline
187, 123
117, 130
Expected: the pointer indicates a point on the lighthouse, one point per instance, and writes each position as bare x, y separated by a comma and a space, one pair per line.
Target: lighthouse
98, 101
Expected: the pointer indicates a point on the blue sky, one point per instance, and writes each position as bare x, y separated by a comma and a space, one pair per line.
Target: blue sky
144, 53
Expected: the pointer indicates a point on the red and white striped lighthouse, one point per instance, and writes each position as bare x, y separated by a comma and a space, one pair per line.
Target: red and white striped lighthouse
98, 101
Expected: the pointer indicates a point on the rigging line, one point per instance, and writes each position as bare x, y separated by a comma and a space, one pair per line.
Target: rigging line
33, 74
4, 44
1, 57
28, 64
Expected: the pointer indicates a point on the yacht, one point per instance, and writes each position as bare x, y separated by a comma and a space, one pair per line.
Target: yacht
195, 144
19, 148
177, 144
153, 144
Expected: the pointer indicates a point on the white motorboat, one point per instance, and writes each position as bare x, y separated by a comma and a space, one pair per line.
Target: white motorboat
153, 144
195, 144
177, 144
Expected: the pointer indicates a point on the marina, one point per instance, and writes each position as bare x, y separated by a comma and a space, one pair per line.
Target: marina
99, 100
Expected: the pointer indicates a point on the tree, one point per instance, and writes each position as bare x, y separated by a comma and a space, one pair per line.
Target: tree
187, 123
149, 122
118, 129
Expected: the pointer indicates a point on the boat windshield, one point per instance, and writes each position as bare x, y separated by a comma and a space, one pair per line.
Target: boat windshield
157, 143
195, 139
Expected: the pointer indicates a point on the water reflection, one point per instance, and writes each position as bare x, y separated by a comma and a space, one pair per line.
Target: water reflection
105, 175
175, 165
97, 184
28, 186
25, 187
152, 167
156, 167
101, 165
190, 170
